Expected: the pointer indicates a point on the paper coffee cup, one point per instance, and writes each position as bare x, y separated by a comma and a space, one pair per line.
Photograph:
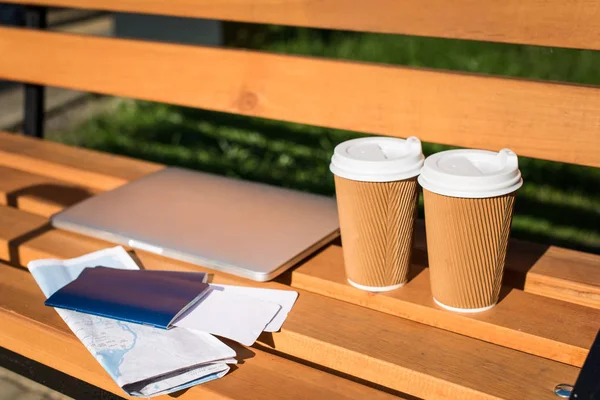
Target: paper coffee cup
469, 199
377, 192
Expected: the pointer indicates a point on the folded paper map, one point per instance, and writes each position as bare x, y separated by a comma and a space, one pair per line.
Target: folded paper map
144, 361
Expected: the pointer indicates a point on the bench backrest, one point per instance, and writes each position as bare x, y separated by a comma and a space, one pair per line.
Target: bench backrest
553, 121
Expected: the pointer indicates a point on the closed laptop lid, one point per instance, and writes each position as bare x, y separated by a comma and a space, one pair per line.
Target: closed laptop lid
245, 228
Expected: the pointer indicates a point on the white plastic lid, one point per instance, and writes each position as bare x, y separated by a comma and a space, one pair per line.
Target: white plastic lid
471, 173
378, 159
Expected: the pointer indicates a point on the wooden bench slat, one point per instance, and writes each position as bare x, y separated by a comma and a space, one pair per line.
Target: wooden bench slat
545, 23
551, 121
38, 194
549, 271
521, 320
91, 168
380, 348
37, 332
556, 272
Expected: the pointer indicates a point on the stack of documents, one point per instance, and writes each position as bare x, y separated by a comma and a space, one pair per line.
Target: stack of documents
146, 360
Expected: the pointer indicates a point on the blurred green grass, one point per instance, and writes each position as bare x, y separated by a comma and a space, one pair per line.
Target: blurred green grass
559, 203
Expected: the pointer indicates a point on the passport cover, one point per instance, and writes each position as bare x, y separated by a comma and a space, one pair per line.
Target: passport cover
155, 298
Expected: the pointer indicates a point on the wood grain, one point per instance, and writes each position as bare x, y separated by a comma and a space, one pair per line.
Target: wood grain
393, 352
549, 271
37, 332
520, 320
543, 120
38, 194
563, 272
92, 168
547, 23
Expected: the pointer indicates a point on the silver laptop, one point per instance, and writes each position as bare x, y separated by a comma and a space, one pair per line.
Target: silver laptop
248, 229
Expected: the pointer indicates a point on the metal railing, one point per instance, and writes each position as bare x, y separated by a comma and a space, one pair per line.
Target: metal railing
33, 122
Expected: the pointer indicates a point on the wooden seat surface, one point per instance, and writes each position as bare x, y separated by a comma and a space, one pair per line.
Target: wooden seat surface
50, 341
338, 340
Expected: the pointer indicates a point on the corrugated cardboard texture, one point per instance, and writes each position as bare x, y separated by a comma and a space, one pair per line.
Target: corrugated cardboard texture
466, 244
377, 220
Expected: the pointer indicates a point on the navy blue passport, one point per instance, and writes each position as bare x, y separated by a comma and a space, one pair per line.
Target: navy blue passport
155, 298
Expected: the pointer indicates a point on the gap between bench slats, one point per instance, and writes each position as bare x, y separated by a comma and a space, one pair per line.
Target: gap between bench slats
386, 350
546, 23
545, 270
37, 332
521, 321
543, 120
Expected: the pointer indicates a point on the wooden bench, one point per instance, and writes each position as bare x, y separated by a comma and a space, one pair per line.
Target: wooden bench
338, 342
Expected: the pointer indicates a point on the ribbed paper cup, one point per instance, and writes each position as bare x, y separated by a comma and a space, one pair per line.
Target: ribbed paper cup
377, 191
466, 245
377, 221
469, 200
